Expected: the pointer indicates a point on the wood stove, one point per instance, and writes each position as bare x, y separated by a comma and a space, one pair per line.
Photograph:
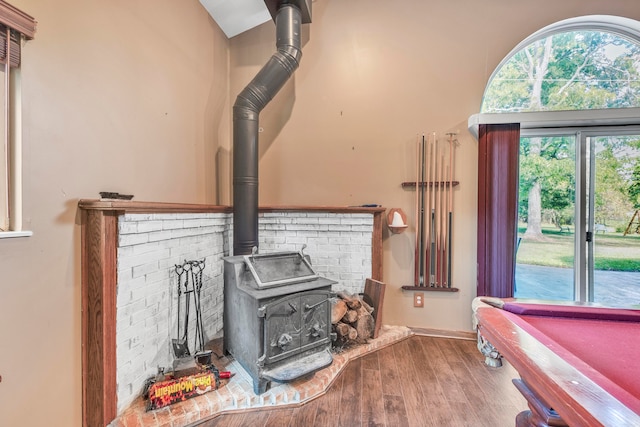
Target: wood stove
277, 316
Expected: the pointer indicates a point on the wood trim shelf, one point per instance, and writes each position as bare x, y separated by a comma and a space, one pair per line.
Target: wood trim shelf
129, 206
429, 289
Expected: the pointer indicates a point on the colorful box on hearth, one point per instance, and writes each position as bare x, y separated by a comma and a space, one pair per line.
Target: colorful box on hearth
170, 391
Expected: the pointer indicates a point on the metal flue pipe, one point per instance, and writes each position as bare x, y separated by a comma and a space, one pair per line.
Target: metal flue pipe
246, 111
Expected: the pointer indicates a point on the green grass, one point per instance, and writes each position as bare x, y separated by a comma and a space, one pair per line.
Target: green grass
613, 252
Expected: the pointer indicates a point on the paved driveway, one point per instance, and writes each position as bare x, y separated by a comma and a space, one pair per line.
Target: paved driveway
613, 288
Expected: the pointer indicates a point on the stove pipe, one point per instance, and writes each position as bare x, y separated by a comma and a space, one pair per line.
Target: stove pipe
246, 111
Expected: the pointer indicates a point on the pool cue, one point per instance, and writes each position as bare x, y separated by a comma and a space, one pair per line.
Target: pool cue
416, 279
432, 240
440, 219
425, 189
420, 188
443, 221
436, 208
450, 203
423, 157
445, 251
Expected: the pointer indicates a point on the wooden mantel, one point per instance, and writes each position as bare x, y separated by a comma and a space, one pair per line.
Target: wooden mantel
99, 236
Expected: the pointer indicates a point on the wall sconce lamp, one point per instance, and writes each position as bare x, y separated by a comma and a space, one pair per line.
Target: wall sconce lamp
396, 220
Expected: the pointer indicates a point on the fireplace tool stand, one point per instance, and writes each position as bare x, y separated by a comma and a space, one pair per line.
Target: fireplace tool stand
189, 285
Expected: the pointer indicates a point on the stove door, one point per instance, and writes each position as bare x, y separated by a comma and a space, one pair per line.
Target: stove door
282, 328
316, 319
296, 323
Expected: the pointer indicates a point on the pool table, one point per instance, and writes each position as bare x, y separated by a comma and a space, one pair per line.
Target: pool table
579, 364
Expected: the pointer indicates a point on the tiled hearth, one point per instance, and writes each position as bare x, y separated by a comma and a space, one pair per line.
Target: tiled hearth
237, 394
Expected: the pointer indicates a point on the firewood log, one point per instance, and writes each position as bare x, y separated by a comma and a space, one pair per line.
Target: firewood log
338, 310
364, 327
353, 301
362, 311
342, 329
367, 307
350, 316
346, 331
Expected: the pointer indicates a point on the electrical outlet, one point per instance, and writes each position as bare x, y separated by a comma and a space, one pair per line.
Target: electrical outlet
418, 299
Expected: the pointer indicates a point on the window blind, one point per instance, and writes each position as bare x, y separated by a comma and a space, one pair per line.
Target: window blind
14, 46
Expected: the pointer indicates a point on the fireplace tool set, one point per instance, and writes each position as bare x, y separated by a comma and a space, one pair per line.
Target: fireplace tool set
189, 285
434, 213
193, 374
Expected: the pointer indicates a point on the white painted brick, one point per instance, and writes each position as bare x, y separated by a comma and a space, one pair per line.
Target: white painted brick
272, 214
158, 276
140, 292
132, 239
274, 220
272, 227
183, 232
156, 236
146, 248
142, 259
172, 224
127, 309
318, 214
340, 228
123, 275
362, 228
127, 227
295, 240
305, 227
331, 221
196, 223
144, 269
148, 226
137, 217
174, 217
305, 220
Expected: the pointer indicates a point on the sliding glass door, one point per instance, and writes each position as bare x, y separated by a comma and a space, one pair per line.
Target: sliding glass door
576, 202
613, 252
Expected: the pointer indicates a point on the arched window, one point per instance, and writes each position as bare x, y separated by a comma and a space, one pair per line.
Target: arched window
582, 63
558, 150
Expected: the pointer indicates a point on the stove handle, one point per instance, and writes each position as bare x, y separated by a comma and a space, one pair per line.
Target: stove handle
308, 307
316, 330
283, 341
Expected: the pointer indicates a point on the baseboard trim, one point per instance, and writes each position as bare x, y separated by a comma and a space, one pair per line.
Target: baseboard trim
443, 333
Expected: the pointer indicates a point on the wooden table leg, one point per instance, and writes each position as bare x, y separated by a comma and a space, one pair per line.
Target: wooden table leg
540, 414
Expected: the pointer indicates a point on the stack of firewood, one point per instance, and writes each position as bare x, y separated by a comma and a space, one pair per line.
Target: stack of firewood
351, 319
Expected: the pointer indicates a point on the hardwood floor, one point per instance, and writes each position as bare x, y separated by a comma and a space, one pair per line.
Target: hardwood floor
420, 381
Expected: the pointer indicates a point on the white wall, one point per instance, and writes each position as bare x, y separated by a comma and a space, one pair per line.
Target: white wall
117, 96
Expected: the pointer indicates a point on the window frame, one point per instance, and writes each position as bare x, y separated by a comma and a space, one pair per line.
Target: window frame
624, 27
22, 26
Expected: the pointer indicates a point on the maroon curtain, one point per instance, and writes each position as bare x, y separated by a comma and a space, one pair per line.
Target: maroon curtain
498, 149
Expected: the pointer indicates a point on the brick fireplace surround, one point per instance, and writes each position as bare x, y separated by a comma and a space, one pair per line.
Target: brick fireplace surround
128, 252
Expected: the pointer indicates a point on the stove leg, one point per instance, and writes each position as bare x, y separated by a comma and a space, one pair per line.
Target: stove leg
260, 386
